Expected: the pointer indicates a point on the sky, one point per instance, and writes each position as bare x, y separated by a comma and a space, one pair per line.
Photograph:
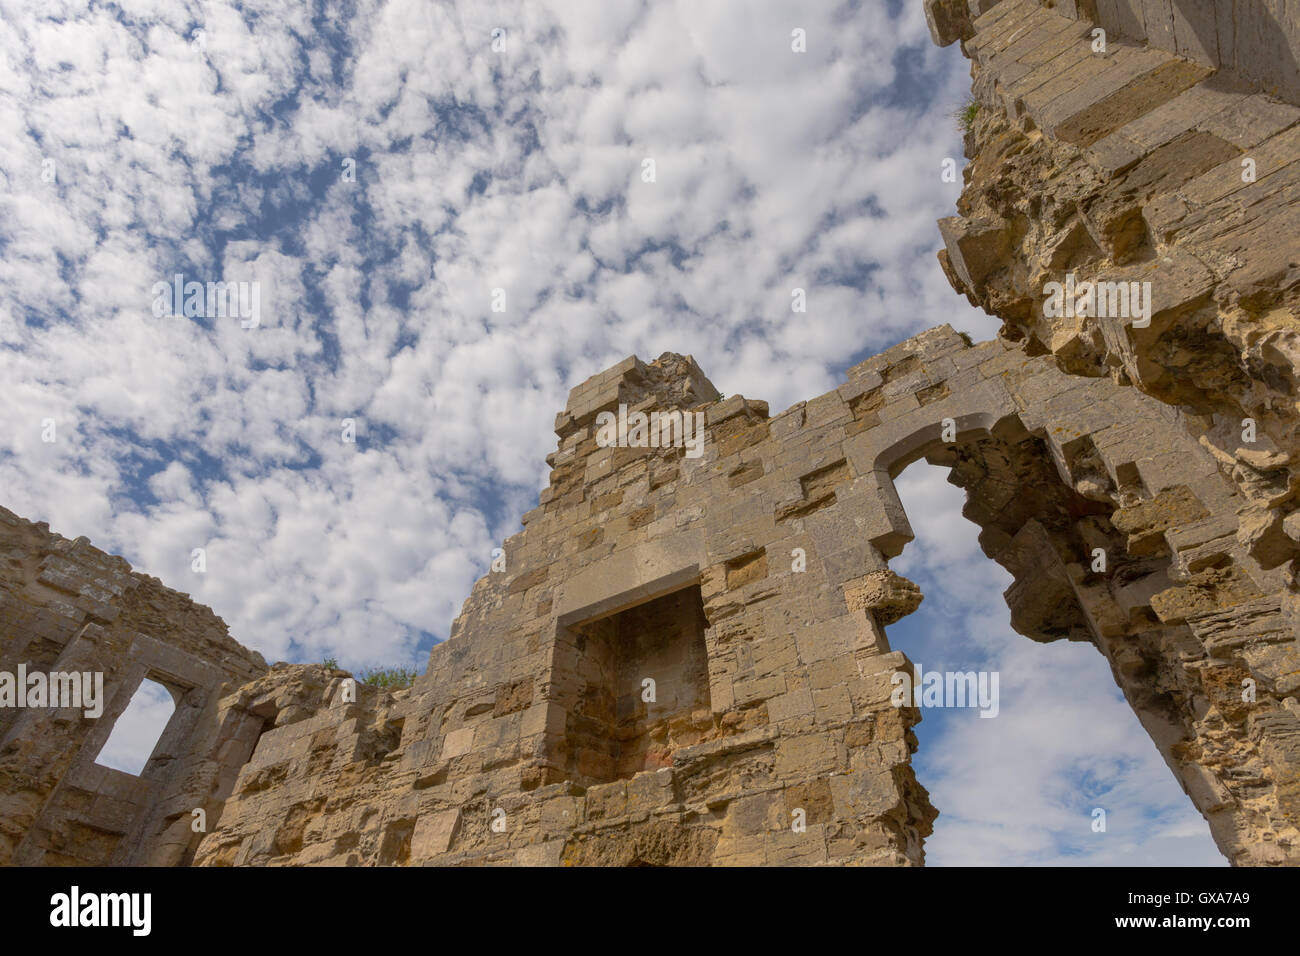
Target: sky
452, 213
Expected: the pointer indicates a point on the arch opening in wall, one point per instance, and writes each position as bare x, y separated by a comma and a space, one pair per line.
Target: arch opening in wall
1024, 784
136, 733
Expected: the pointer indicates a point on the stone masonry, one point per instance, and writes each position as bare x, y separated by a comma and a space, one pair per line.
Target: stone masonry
749, 587
1163, 159
66, 606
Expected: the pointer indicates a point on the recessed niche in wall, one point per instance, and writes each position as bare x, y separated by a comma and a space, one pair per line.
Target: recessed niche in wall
612, 730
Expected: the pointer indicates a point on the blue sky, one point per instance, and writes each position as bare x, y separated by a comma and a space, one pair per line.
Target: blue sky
139, 140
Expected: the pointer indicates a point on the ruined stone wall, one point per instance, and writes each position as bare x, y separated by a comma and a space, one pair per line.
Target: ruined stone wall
1170, 155
528, 715
751, 584
1139, 165
1256, 40
67, 606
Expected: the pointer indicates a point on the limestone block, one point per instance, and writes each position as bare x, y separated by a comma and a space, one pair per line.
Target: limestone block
548, 853
434, 833
975, 247
457, 742
804, 755
887, 595
788, 848
651, 790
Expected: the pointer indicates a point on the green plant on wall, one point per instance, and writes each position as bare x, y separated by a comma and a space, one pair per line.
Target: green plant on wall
965, 115
391, 678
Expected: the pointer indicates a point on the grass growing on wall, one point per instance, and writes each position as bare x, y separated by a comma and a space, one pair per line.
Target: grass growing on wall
389, 678
965, 115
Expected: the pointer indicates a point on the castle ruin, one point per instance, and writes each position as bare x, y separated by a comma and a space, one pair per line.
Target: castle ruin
751, 583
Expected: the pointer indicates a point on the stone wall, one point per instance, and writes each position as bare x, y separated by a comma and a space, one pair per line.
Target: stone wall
1170, 156
751, 584
1137, 165
67, 606
1256, 40
784, 528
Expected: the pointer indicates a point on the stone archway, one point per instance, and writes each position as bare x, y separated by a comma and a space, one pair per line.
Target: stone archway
1044, 509
1043, 535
